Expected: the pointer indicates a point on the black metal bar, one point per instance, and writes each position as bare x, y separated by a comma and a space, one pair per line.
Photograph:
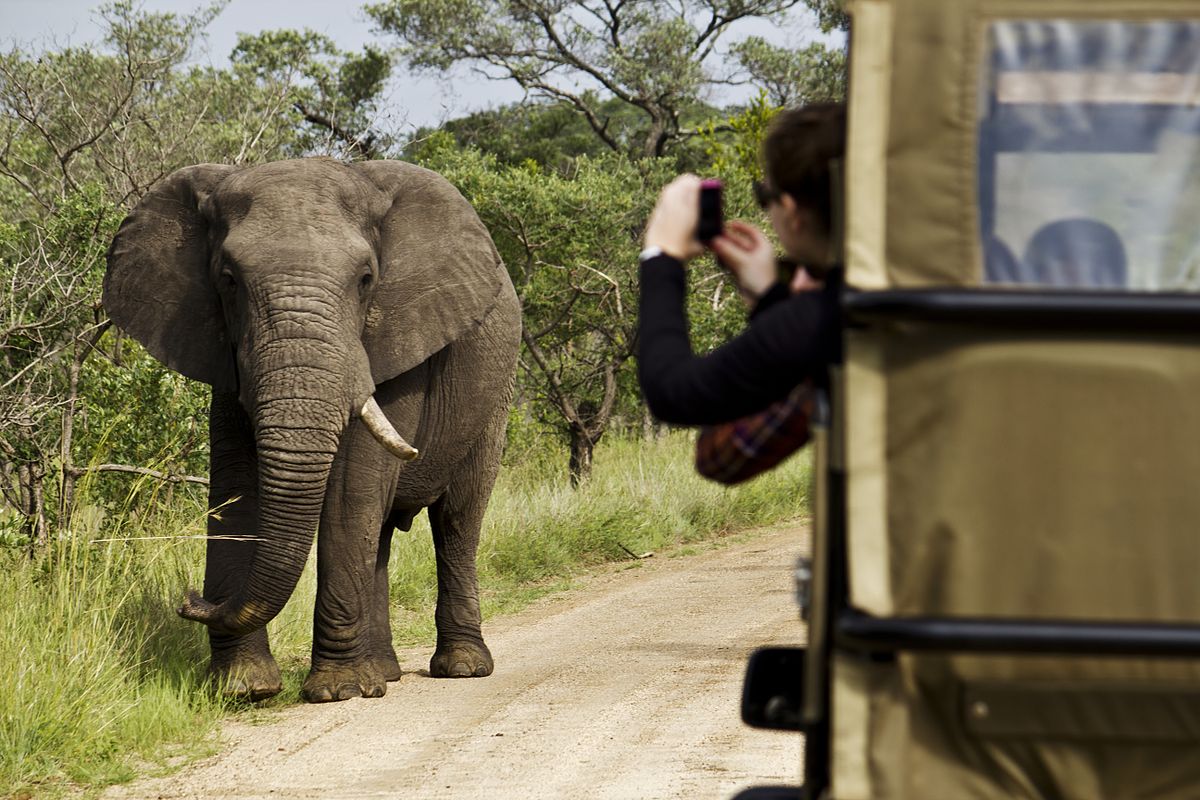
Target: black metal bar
1053, 309
862, 633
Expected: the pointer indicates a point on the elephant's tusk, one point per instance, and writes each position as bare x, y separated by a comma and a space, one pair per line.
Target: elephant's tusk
381, 429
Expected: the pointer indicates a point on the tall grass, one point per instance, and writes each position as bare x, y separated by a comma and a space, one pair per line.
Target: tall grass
94, 672
100, 679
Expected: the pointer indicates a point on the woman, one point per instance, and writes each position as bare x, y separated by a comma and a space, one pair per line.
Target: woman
793, 335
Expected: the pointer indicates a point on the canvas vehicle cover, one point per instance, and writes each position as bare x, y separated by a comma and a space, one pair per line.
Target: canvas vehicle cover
1018, 416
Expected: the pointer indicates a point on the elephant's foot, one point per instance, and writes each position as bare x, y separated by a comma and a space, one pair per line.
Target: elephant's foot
252, 676
332, 681
461, 660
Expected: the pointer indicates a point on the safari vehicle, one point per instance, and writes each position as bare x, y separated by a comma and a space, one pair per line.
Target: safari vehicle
1005, 579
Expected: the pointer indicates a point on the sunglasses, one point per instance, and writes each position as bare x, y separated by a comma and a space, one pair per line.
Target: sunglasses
764, 195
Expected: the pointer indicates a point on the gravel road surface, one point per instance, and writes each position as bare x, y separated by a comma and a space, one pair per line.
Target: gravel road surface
625, 688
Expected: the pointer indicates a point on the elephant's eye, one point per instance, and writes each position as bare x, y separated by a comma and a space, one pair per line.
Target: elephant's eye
366, 282
227, 280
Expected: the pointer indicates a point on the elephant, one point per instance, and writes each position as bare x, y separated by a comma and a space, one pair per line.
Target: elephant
349, 318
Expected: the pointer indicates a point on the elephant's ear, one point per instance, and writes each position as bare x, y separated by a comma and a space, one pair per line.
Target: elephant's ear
440, 273
157, 287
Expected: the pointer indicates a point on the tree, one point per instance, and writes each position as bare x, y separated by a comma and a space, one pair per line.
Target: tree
654, 57
794, 77
50, 324
732, 146
335, 92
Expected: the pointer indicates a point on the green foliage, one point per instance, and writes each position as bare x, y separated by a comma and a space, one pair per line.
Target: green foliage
52, 272
831, 14
552, 134
137, 411
733, 148
794, 76
83, 224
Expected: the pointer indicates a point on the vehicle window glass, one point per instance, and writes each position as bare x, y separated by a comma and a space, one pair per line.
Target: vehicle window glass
1089, 155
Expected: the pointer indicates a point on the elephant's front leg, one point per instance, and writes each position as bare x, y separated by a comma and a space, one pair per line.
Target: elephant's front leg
361, 485
241, 665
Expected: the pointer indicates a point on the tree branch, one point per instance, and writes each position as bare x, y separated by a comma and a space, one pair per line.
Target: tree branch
363, 145
130, 470
569, 58
593, 120
564, 403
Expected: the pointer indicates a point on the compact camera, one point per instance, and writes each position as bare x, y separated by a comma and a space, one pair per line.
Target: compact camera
712, 220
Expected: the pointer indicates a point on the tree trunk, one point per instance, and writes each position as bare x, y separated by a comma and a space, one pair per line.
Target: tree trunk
68, 474
580, 466
656, 138
30, 478
66, 499
652, 429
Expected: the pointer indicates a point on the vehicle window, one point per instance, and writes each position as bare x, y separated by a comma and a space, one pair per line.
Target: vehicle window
1089, 155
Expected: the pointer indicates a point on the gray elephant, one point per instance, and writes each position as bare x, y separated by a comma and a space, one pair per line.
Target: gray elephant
339, 312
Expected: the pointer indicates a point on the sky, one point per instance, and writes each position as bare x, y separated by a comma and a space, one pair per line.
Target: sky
414, 100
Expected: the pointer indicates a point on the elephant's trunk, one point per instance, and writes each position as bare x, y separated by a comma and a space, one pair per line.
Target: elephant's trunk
297, 440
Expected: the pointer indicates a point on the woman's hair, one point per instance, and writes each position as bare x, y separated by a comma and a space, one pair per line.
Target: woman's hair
797, 153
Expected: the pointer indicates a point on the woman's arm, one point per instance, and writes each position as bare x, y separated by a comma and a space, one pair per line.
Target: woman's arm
793, 340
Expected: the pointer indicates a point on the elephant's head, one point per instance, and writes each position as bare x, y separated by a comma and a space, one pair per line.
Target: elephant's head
299, 285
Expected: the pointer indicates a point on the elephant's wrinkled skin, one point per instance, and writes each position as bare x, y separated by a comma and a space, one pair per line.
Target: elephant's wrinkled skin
300, 290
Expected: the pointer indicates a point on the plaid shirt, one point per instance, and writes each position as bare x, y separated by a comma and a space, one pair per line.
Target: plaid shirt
737, 451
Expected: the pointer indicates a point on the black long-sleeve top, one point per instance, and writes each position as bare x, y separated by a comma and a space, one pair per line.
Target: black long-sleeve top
790, 338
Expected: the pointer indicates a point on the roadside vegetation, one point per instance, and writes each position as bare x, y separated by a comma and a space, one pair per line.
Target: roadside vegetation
100, 680
104, 452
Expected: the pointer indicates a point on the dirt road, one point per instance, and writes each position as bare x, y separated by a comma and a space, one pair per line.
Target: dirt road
625, 688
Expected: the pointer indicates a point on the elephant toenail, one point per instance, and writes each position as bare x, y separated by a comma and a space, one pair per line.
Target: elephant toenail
321, 695
348, 690
482, 672
460, 670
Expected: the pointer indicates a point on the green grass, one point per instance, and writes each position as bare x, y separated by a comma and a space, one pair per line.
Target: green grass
100, 680
95, 675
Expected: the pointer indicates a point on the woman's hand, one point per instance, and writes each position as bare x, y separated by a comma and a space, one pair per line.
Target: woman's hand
672, 225
745, 251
